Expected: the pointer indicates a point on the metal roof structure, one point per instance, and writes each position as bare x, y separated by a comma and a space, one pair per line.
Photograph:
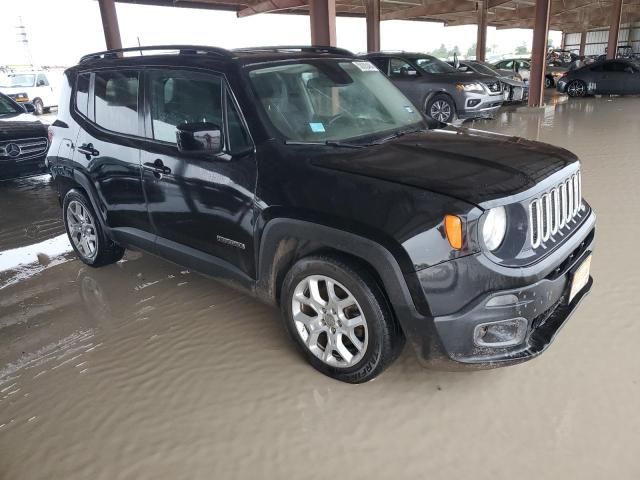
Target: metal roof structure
565, 15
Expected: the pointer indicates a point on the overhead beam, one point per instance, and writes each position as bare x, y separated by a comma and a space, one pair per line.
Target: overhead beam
322, 15
270, 6
539, 53
373, 25
110, 24
442, 7
614, 29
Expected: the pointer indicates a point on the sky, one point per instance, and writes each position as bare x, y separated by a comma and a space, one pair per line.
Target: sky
61, 31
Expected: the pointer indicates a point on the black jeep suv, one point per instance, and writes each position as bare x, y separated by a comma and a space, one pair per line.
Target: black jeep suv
303, 176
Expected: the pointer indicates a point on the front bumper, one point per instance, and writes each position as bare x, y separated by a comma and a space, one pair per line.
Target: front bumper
479, 105
561, 86
10, 169
448, 341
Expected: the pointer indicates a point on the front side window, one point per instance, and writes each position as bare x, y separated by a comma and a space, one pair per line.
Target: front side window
7, 107
321, 100
42, 81
181, 97
433, 65
116, 101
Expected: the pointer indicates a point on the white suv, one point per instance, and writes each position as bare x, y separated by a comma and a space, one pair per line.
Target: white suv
34, 87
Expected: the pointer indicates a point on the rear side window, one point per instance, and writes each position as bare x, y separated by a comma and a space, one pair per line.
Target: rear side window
82, 94
180, 97
116, 101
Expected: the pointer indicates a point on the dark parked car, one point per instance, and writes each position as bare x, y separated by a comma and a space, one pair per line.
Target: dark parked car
304, 177
438, 89
23, 140
517, 90
608, 77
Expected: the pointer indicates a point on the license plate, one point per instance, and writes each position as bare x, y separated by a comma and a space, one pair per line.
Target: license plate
580, 278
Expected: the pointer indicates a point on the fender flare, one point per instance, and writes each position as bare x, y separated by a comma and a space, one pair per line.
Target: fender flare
83, 181
372, 253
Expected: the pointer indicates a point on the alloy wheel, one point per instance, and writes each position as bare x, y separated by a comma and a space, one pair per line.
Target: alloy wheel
329, 321
576, 89
441, 111
82, 229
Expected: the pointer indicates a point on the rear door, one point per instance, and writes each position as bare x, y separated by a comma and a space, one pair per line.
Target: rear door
610, 80
107, 147
201, 206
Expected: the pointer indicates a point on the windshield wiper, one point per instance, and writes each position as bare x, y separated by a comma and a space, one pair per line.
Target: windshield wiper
399, 133
328, 143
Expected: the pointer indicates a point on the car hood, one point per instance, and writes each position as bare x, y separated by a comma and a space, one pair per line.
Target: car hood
21, 125
474, 166
455, 77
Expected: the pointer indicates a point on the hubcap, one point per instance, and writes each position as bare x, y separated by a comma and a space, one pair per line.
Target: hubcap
82, 230
329, 321
576, 89
441, 111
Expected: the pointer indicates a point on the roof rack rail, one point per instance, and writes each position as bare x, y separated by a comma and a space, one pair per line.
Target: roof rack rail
302, 48
182, 50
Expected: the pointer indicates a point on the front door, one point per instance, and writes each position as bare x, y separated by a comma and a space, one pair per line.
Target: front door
107, 145
198, 205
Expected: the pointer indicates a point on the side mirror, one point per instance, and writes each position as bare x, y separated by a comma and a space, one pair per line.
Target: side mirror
29, 107
40, 83
203, 138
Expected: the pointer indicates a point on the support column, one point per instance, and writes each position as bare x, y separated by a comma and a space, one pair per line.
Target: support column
563, 41
373, 25
481, 43
110, 24
583, 43
323, 22
614, 30
539, 53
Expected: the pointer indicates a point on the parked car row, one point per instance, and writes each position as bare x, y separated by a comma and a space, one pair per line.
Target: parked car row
605, 77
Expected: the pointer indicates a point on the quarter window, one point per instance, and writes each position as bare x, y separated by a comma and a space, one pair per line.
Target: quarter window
82, 94
181, 98
238, 136
116, 101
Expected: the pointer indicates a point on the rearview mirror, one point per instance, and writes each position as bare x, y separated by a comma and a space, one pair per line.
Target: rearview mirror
199, 138
29, 107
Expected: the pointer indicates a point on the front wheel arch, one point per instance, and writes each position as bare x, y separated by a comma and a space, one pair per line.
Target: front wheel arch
441, 95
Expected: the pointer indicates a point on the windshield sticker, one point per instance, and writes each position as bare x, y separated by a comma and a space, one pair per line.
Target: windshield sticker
317, 127
366, 66
408, 108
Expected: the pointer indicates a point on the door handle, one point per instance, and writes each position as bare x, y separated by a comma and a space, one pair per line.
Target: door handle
158, 167
88, 150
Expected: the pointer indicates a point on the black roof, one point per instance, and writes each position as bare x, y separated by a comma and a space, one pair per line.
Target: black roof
244, 55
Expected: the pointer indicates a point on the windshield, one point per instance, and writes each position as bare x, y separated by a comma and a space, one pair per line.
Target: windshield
433, 65
8, 107
484, 68
19, 80
321, 100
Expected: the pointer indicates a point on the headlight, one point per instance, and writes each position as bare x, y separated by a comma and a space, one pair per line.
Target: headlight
470, 87
494, 228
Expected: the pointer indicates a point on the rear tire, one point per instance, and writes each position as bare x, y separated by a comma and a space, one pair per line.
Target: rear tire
39, 106
441, 108
343, 325
85, 232
577, 89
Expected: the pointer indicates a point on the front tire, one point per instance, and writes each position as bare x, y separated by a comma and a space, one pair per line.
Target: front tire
340, 319
441, 108
39, 106
85, 233
577, 89
548, 82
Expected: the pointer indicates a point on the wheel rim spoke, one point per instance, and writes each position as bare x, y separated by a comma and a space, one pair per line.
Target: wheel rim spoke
82, 231
329, 321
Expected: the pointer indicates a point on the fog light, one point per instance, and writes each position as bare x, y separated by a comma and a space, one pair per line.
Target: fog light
473, 103
504, 333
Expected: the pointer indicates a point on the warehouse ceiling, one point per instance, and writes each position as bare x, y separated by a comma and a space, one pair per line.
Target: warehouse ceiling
566, 15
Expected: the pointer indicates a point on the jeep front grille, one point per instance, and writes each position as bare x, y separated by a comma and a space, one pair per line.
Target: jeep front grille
23, 149
555, 210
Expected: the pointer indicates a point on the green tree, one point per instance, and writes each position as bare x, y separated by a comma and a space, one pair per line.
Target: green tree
550, 43
454, 51
440, 52
522, 49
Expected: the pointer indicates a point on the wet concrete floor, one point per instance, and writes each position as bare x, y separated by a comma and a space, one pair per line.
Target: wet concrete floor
145, 370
